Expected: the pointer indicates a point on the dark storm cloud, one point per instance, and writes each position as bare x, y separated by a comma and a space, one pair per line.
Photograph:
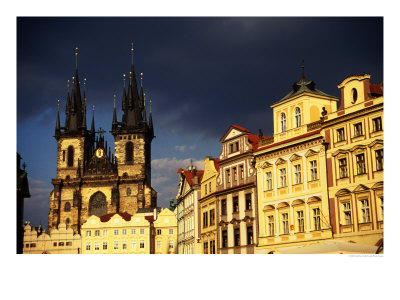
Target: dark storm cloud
224, 70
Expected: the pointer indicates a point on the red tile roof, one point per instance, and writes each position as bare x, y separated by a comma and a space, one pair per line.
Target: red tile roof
376, 89
149, 218
189, 176
180, 170
241, 128
216, 161
107, 217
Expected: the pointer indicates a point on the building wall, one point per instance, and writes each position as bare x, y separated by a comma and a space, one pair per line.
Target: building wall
117, 236
166, 233
60, 241
356, 195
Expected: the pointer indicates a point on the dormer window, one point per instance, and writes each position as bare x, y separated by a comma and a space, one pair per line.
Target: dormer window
355, 95
297, 116
234, 147
283, 122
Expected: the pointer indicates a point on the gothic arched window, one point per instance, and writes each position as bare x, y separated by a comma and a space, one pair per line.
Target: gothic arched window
67, 207
297, 116
129, 152
283, 122
98, 204
70, 158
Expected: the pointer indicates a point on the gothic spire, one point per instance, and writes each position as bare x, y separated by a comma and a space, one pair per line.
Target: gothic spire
57, 131
114, 121
92, 128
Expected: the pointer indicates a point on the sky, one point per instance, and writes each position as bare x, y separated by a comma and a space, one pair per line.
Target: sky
202, 74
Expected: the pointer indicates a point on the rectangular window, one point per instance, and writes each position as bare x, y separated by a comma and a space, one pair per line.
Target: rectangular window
115, 245
33, 245
96, 246
377, 124
379, 159
124, 245
212, 247
248, 201
97, 233
171, 231
105, 245
133, 245
68, 244
237, 236
205, 190
55, 244
360, 161
365, 211
237, 146
141, 244
105, 232
133, 231
88, 246
158, 231
285, 223
297, 174
205, 219
249, 235
27, 245
115, 231
170, 244
343, 168
358, 130
340, 134
141, 230
231, 146
224, 239
228, 175
209, 187
88, 233
123, 231
347, 213
158, 245
235, 173
235, 204
61, 244
283, 177
223, 207
271, 229
212, 217
268, 177
241, 172
313, 170
205, 248
300, 221
317, 219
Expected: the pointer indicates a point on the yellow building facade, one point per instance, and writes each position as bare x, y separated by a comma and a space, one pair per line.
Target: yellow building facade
166, 233
61, 240
208, 207
355, 162
118, 233
293, 207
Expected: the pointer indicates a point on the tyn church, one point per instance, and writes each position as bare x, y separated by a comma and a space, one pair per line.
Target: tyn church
92, 181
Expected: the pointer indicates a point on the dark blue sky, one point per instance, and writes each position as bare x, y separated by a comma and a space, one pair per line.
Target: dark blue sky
202, 75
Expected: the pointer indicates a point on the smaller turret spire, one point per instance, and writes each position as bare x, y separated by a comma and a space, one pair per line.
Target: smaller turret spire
92, 128
76, 58
58, 117
114, 121
132, 52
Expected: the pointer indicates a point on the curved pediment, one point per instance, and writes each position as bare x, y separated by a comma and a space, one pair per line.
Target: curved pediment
297, 202
269, 207
358, 147
342, 192
360, 188
294, 157
313, 199
340, 151
266, 165
376, 143
377, 186
283, 205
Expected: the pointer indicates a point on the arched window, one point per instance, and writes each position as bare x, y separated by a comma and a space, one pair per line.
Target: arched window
129, 152
67, 207
297, 116
70, 161
97, 204
283, 122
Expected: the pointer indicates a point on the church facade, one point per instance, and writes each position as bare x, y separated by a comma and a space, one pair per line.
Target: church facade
92, 181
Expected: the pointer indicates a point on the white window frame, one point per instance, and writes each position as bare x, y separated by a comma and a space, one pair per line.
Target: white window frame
268, 181
317, 218
285, 223
282, 176
343, 167
271, 225
346, 206
361, 164
300, 220
283, 122
313, 170
297, 174
365, 211
297, 116
141, 230
116, 245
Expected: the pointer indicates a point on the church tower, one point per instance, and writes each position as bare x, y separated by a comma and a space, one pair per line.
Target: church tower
92, 181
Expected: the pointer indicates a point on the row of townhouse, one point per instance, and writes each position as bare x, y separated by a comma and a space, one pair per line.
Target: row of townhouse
146, 232
314, 186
